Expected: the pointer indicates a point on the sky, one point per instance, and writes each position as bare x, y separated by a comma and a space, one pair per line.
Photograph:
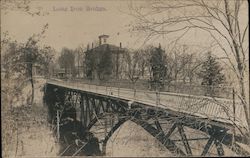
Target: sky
69, 28
84, 24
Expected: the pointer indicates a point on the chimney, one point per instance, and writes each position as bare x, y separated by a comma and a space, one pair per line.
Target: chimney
100, 41
92, 45
88, 47
120, 44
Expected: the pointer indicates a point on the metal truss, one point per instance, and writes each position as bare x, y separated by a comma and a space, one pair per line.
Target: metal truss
94, 107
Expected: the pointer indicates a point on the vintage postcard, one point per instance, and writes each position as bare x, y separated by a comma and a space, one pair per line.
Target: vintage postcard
124, 78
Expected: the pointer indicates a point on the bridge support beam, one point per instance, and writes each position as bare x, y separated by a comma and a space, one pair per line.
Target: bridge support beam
184, 140
95, 106
160, 136
113, 129
207, 146
219, 147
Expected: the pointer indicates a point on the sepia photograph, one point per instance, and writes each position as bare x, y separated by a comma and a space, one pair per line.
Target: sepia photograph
125, 78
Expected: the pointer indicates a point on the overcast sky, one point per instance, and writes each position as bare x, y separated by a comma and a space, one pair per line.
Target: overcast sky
70, 29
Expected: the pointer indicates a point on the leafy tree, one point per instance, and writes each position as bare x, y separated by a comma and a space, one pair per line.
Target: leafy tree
157, 63
211, 73
20, 59
105, 66
90, 64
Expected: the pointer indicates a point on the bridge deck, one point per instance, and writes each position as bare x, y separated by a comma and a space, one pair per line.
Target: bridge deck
217, 109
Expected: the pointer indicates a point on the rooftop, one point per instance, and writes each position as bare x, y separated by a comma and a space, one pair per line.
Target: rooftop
103, 36
111, 47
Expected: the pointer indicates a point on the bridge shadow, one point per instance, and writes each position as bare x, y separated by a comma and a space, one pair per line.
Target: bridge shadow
75, 140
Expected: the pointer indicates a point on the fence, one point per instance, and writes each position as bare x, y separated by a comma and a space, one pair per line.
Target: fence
191, 89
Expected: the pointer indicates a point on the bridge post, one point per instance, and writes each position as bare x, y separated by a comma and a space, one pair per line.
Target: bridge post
157, 97
219, 147
82, 110
106, 87
87, 111
58, 125
118, 89
184, 139
207, 146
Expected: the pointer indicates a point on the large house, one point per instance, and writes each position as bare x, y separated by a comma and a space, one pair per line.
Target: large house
95, 54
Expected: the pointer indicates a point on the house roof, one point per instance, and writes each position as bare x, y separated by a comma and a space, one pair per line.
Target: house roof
103, 36
103, 47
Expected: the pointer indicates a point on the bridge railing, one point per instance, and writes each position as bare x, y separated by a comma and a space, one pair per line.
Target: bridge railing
180, 87
214, 108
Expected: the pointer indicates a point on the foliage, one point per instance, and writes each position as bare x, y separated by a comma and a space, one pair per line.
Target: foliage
19, 59
90, 64
105, 65
211, 72
158, 67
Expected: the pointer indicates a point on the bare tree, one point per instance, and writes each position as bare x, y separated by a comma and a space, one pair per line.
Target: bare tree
191, 69
80, 59
21, 5
133, 70
146, 54
180, 59
222, 20
179, 64
67, 61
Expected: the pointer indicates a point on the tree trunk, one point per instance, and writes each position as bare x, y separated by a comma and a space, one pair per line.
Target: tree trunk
246, 108
32, 85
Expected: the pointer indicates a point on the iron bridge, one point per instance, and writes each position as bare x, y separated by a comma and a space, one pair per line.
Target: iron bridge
170, 123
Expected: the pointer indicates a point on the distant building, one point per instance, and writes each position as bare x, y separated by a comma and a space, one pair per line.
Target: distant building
37, 70
59, 73
117, 52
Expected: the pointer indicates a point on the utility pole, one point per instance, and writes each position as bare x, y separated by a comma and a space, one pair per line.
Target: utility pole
157, 93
